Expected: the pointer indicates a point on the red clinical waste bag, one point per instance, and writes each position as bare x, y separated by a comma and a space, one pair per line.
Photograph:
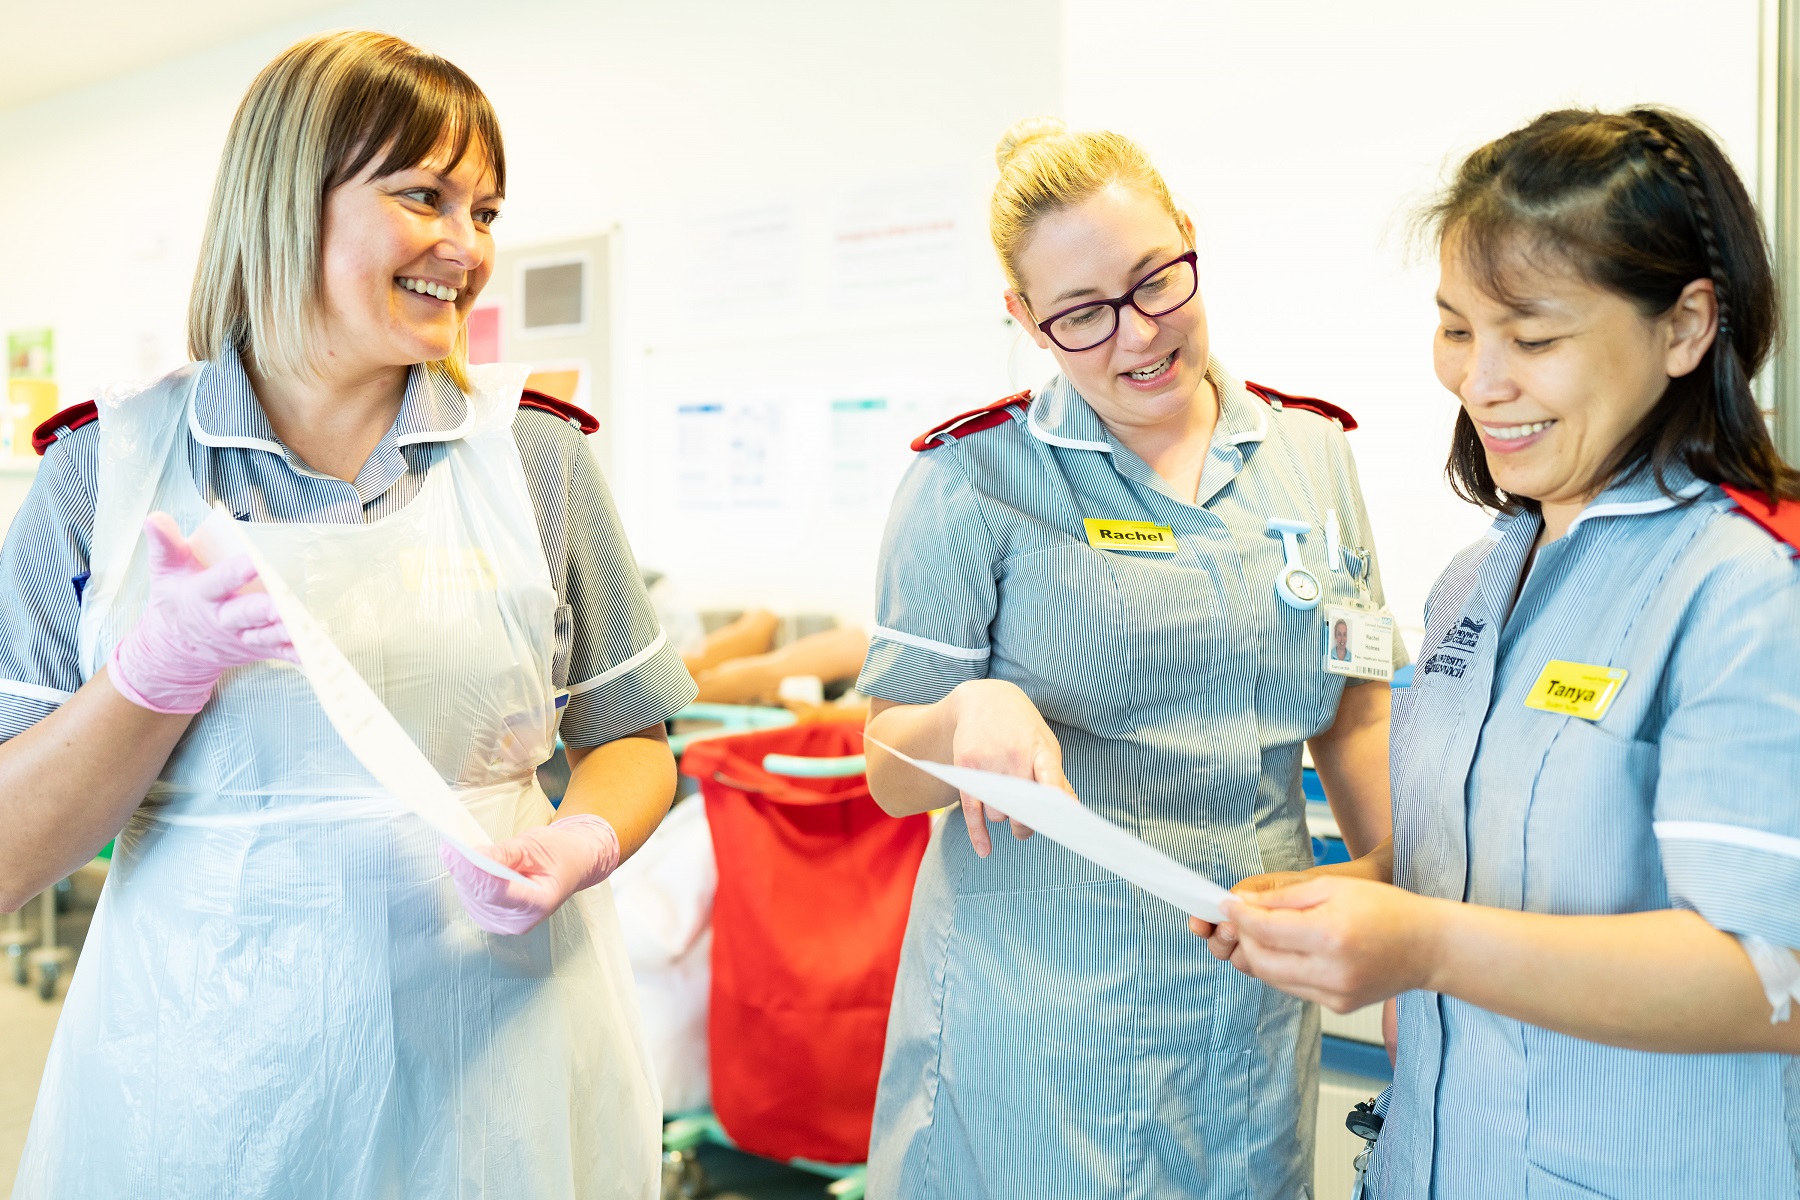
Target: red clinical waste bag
815, 883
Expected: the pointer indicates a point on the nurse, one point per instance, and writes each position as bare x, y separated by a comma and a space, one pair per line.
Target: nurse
1596, 838
287, 991
1120, 586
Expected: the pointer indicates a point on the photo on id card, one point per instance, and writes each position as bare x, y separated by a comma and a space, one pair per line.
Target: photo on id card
1359, 642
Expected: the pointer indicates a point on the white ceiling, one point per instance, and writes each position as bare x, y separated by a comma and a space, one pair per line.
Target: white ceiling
50, 46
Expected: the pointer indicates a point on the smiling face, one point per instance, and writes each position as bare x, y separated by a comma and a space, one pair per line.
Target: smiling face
1558, 378
405, 256
1149, 372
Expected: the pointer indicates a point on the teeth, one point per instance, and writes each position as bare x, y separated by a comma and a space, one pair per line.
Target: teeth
1154, 369
1512, 433
427, 288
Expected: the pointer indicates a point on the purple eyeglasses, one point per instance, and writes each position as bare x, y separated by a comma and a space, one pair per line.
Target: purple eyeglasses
1157, 294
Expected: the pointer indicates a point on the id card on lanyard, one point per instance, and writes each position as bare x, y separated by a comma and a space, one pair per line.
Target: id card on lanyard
1359, 636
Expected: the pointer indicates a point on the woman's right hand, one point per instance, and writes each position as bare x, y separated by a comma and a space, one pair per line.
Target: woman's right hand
999, 729
197, 624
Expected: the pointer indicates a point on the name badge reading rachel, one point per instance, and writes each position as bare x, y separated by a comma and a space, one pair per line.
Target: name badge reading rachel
1142, 537
1576, 689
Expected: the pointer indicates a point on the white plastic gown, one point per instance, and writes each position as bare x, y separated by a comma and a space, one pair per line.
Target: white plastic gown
281, 995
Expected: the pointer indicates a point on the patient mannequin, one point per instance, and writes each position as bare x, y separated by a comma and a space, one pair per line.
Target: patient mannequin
739, 664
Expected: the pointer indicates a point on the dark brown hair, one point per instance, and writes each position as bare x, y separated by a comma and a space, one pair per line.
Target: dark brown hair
1641, 203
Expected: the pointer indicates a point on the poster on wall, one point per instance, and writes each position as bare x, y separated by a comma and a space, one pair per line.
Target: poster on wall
750, 258
900, 242
31, 392
485, 324
727, 455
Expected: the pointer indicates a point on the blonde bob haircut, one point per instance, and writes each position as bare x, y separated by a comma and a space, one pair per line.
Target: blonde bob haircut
327, 109
1044, 167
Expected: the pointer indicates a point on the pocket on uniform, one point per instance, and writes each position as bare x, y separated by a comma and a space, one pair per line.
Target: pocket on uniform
1548, 1185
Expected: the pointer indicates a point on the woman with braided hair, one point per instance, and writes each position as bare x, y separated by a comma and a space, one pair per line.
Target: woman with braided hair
1591, 902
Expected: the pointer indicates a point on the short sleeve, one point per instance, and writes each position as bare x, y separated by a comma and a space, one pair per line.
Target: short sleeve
43, 565
623, 674
935, 590
1728, 786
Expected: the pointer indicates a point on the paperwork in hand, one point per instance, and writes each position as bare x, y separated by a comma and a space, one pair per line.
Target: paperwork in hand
1059, 817
357, 713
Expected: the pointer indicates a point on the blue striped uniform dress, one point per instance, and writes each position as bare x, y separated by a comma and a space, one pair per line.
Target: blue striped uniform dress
621, 673
1682, 795
1055, 1031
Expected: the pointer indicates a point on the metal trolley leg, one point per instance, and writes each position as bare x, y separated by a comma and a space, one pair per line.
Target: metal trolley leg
51, 960
15, 940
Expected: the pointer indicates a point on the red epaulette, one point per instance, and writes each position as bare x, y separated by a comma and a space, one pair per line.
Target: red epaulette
71, 418
1326, 409
580, 418
1781, 519
974, 421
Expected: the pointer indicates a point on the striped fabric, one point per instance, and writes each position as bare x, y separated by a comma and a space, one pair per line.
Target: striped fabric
1056, 1032
1681, 796
237, 460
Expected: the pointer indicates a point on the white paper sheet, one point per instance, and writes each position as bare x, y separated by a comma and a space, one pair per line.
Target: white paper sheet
1054, 814
357, 713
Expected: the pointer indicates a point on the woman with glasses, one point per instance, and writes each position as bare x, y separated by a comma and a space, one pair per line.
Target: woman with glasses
1122, 586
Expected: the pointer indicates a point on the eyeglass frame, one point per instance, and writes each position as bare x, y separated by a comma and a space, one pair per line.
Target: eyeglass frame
1191, 258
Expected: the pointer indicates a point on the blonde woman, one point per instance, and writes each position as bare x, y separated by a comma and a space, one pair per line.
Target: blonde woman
1123, 586
289, 990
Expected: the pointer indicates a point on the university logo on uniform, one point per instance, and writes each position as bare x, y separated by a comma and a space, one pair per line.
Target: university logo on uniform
1453, 653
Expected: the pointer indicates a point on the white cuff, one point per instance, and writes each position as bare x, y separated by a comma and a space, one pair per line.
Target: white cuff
1779, 969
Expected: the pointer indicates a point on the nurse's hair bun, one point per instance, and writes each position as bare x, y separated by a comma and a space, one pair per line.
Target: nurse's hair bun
1044, 167
1021, 132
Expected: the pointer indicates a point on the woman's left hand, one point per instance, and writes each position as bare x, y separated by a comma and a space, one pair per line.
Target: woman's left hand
1338, 940
558, 860
1221, 939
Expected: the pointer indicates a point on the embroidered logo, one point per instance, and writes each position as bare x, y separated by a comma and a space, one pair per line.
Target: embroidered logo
1465, 635
1454, 652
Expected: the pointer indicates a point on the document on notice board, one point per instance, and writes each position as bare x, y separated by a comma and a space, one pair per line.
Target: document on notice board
1059, 817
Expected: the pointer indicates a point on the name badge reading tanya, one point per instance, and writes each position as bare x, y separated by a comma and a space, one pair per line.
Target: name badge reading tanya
1359, 642
1141, 537
1576, 689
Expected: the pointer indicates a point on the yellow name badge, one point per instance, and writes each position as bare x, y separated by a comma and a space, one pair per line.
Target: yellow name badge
1142, 537
1576, 689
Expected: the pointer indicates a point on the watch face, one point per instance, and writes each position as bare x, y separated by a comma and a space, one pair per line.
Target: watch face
1301, 582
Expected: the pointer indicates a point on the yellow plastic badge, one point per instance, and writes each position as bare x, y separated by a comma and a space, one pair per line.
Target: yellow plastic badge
1576, 689
1142, 537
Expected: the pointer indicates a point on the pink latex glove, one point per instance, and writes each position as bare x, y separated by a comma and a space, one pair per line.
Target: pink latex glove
559, 859
196, 625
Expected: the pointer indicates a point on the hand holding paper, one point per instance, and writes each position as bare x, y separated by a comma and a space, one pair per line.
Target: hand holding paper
997, 728
1059, 817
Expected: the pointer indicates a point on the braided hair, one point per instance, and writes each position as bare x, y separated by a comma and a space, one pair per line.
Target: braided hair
1642, 203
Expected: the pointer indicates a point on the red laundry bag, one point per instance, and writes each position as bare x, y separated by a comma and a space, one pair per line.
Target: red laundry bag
815, 883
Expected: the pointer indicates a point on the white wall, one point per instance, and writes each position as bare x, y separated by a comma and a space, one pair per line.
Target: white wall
1301, 136
1298, 134
647, 117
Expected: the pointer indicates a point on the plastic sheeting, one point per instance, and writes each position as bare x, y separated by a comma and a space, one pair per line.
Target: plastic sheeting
281, 995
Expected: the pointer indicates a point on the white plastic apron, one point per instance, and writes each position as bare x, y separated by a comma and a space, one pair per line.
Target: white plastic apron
281, 995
